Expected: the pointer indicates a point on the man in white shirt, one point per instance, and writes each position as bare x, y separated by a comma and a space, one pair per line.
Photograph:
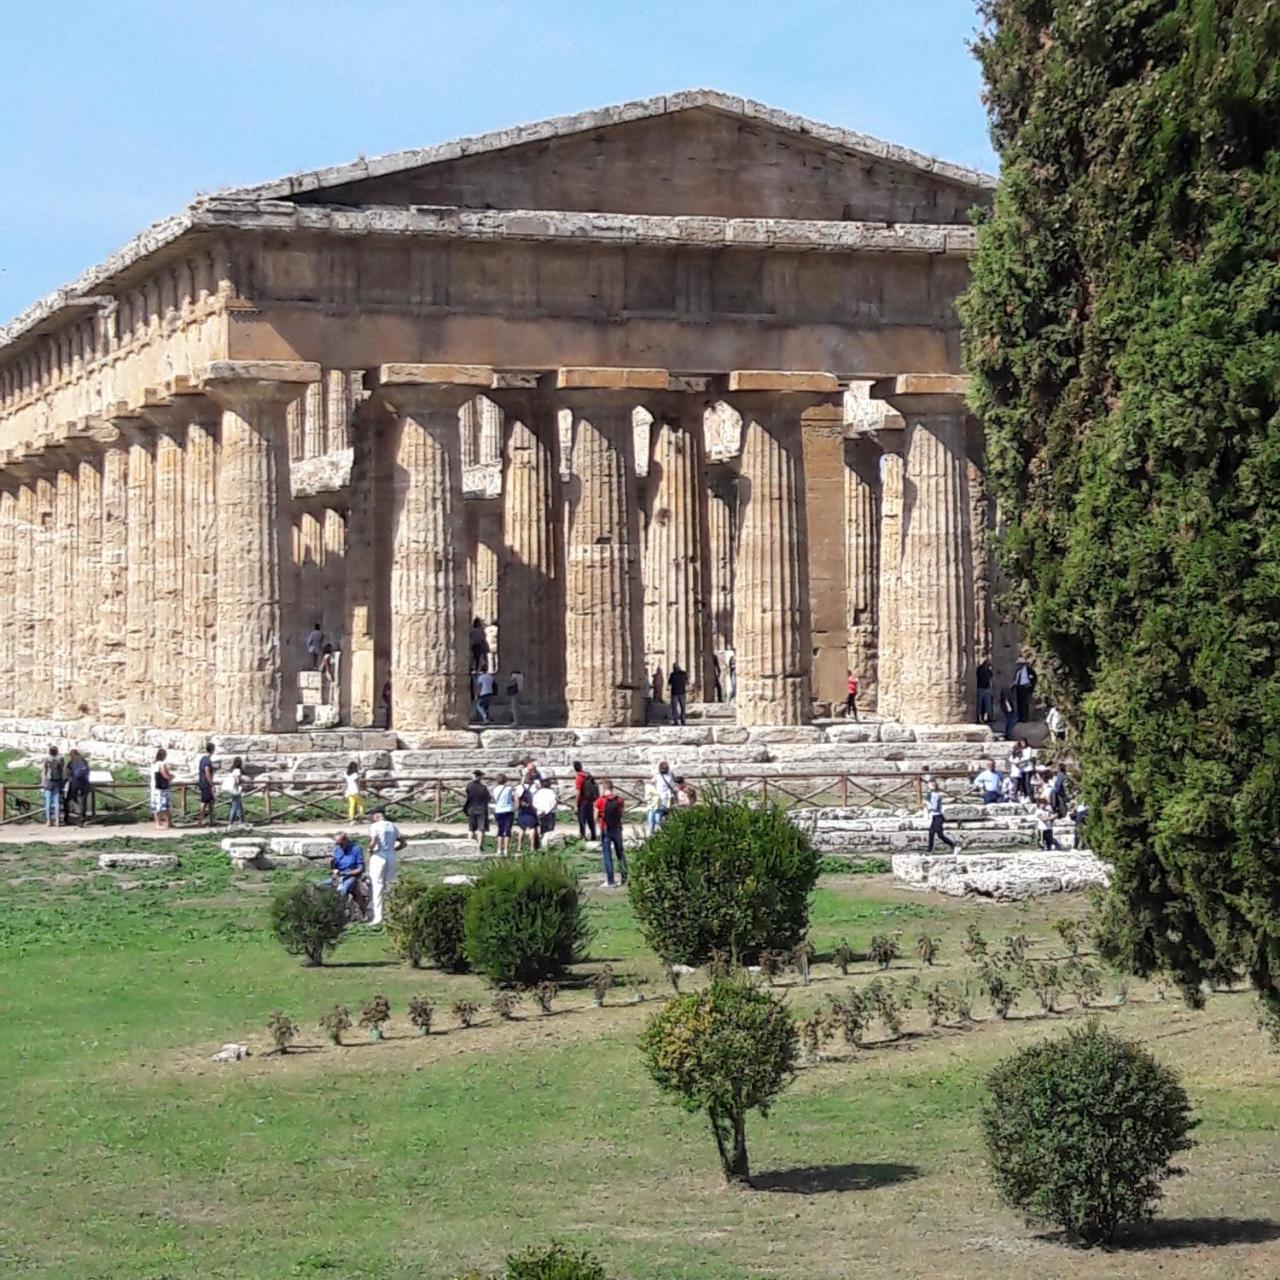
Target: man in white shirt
988, 782
385, 841
315, 644
485, 687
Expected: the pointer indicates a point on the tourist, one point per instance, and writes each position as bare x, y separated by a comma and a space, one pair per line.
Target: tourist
1024, 684
327, 672
1044, 825
732, 660
545, 803
985, 691
1010, 713
664, 785
233, 787
78, 787
1022, 767
515, 686
933, 807
52, 778
346, 865
526, 820
988, 782
1008, 789
658, 679
850, 694
504, 806
1058, 792
315, 644
585, 793
1056, 723
1078, 816
686, 795
646, 696
717, 690
354, 789
531, 775
385, 841
485, 687
386, 703
475, 804
651, 818
161, 787
610, 811
204, 781
479, 643
677, 687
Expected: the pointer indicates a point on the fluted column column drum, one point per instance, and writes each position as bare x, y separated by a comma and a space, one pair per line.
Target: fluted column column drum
86, 600
428, 570
258, 635
935, 620
531, 574
722, 533
200, 568
604, 643
24, 560
113, 579
8, 605
771, 608
168, 654
888, 639
862, 563
63, 641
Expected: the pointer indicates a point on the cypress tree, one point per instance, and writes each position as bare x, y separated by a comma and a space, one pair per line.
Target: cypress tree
1123, 330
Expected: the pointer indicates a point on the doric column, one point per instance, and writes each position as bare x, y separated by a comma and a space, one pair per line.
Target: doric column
44, 599
979, 524
64, 643
200, 564
675, 613
140, 578
531, 571
935, 620
888, 639
603, 624
169, 651
771, 613
333, 531
87, 585
365, 595
8, 601
428, 598
862, 562
722, 533
113, 578
258, 635
26, 532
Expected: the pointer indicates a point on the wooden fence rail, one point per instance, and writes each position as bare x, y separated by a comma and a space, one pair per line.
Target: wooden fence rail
441, 799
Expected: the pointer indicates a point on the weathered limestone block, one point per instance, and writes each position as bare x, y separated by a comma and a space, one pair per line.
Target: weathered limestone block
853, 733
527, 739
1004, 877
137, 861
862, 564
321, 473
786, 734
888, 639
256, 601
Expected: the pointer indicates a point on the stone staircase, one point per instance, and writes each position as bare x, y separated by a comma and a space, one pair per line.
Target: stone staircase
879, 832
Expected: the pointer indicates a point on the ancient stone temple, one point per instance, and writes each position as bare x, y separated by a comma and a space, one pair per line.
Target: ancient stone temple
671, 382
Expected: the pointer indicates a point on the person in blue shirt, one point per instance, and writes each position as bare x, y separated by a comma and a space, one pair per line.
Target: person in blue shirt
988, 782
933, 807
347, 865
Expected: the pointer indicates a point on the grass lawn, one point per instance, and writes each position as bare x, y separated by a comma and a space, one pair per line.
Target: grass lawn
127, 1153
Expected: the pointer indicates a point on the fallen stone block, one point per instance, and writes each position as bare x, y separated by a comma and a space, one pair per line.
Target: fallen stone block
137, 861
231, 1053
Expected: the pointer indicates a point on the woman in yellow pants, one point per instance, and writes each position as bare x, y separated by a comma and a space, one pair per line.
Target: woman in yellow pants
355, 798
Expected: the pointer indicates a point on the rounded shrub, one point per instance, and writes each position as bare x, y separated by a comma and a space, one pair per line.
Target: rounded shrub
427, 921
308, 919
554, 1262
525, 920
1081, 1131
733, 877
724, 1050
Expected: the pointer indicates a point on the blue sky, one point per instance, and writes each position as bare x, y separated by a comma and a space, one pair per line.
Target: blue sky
114, 114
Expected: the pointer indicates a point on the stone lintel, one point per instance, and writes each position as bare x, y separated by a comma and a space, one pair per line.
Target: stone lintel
783, 380
451, 375
611, 379
231, 382
921, 384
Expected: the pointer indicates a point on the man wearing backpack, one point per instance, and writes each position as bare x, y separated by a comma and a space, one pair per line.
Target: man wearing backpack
52, 777
610, 808
586, 794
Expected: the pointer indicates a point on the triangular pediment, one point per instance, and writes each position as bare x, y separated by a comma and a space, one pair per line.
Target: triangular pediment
694, 154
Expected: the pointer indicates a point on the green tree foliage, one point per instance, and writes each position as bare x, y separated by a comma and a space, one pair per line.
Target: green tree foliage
308, 919
724, 1050
1123, 330
426, 920
525, 920
1082, 1130
732, 877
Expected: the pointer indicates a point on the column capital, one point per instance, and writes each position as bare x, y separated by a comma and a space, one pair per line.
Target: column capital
409, 388
791, 389
583, 388
235, 383
923, 394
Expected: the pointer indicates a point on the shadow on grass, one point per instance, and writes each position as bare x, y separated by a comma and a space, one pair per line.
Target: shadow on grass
356, 964
818, 1179
1189, 1233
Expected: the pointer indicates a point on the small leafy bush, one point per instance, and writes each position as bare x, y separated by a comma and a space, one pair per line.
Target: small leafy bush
525, 920
308, 919
545, 994
504, 1004
283, 1030
726, 1050
883, 950
843, 957
801, 956
771, 965
601, 981
883, 999
850, 1017
556, 1262
1045, 980
1002, 988
1080, 1131
333, 1022
1086, 984
927, 948
376, 1014
1069, 931
974, 943
465, 1011
733, 877
422, 1013
426, 921
813, 1034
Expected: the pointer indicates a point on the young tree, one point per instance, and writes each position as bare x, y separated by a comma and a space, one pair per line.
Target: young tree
1121, 331
724, 1050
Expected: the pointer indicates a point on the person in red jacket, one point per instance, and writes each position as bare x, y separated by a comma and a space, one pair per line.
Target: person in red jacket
609, 811
585, 793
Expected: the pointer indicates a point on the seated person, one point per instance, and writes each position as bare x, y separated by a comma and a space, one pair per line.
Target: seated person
347, 865
988, 782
